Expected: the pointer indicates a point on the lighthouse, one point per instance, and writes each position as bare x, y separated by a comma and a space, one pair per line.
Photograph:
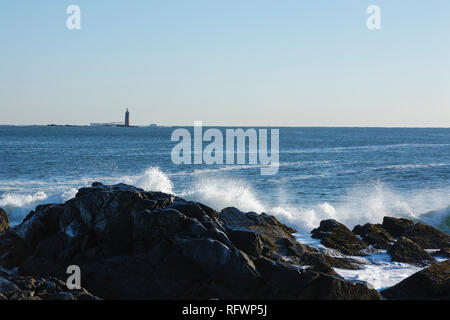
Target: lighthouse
127, 118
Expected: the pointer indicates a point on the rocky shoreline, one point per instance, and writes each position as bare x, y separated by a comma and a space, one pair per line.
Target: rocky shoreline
132, 244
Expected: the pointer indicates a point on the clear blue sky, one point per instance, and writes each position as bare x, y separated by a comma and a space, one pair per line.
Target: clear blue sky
226, 62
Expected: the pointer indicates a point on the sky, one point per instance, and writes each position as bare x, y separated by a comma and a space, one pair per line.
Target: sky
227, 62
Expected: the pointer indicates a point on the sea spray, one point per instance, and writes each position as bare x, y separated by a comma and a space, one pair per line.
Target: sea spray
8, 200
153, 179
222, 193
438, 218
18, 205
358, 205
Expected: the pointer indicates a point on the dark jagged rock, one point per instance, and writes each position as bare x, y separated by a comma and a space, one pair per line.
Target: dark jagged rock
285, 280
443, 253
132, 244
335, 235
406, 250
259, 235
396, 226
13, 249
4, 220
263, 235
36, 227
375, 235
16, 287
430, 283
424, 235
427, 236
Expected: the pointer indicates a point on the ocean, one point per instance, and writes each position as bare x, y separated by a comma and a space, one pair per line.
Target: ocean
353, 175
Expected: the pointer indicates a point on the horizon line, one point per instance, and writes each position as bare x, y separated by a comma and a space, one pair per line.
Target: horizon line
233, 126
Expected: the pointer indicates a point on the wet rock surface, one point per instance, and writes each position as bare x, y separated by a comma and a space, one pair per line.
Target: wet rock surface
16, 287
132, 244
406, 250
443, 253
374, 234
430, 283
396, 226
335, 235
427, 236
406, 242
263, 235
403, 239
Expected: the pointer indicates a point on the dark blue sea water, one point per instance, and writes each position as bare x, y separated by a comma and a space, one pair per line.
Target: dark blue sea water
355, 175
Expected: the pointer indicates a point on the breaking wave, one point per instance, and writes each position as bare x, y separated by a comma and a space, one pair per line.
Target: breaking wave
221, 193
356, 206
18, 205
438, 218
152, 179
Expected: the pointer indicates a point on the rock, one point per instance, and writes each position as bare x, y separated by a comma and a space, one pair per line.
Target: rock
424, 235
4, 220
406, 250
332, 288
263, 235
13, 249
443, 253
375, 235
335, 235
287, 282
39, 223
396, 226
132, 244
248, 241
430, 283
7, 287
15, 287
427, 236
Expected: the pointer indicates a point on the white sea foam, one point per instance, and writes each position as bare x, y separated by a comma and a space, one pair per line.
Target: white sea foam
19, 200
153, 179
379, 271
358, 205
221, 193
69, 194
369, 205
18, 205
